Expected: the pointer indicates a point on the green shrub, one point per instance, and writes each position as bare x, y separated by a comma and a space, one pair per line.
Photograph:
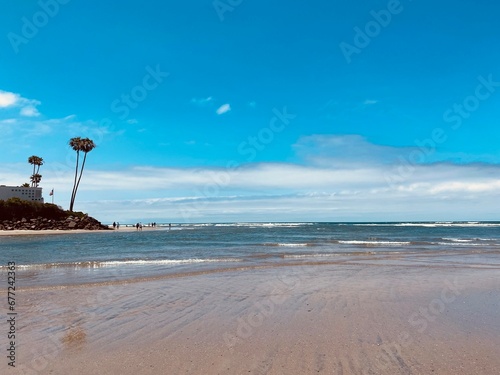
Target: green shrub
17, 209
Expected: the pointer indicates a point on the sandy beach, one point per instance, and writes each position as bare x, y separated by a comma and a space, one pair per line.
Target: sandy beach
72, 231
350, 318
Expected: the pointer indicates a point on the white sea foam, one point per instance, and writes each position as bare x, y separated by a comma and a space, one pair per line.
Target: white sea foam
330, 255
458, 244
431, 225
166, 261
467, 242
458, 240
248, 225
293, 244
382, 243
301, 256
138, 262
434, 225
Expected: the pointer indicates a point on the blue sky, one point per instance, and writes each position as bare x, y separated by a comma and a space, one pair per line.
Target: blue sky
257, 111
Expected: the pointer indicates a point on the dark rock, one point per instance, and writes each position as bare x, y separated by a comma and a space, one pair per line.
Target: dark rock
66, 223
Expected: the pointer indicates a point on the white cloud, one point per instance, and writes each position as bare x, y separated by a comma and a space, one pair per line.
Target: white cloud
29, 111
8, 99
476, 186
315, 206
13, 100
346, 150
223, 109
8, 121
370, 102
291, 178
202, 102
334, 184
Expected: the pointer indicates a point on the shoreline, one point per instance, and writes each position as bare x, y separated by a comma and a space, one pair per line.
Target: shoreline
28, 232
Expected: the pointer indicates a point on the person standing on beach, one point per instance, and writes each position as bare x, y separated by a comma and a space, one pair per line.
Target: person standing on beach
114, 225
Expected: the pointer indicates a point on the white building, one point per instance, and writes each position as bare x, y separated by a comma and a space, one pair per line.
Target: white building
25, 193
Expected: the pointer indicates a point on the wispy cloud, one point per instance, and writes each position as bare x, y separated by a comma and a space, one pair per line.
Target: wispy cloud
26, 107
25, 133
203, 102
29, 111
370, 102
223, 109
346, 150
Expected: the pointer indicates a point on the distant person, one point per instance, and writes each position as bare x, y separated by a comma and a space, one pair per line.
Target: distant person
114, 225
169, 226
137, 226
117, 225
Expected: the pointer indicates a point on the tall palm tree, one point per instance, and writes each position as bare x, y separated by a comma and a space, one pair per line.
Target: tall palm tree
37, 162
35, 179
74, 143
84, 145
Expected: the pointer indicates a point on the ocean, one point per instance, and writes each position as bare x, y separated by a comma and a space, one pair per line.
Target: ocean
184, 249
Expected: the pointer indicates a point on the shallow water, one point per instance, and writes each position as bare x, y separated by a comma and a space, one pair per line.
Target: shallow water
103, 257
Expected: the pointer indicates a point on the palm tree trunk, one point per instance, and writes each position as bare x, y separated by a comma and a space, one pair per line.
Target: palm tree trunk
32, 182
37, 170
73, 193
81, 173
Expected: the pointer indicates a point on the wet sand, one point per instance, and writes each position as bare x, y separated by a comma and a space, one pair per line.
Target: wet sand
329, 319
18, 232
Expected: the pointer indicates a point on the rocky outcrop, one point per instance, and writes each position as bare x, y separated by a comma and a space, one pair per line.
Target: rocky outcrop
40, 223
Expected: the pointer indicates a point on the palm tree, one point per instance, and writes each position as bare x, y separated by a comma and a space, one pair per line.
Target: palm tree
84, 145
37, 162
35, 179
74, 143
25, 185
